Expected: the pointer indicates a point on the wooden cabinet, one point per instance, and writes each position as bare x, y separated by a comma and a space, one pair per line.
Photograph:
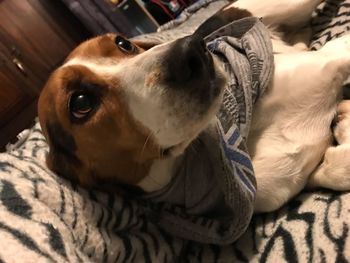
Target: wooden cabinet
14, 93
35, 37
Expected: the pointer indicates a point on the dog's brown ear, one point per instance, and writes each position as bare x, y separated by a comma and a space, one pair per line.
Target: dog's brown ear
61, 157
146, 44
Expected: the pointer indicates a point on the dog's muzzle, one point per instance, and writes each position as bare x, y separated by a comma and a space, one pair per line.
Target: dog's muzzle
188, 61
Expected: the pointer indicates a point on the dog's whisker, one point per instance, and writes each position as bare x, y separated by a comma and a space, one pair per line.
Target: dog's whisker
161, 152
145, 144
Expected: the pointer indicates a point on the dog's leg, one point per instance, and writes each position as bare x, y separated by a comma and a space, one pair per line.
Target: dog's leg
334, 171
291, 124
278, 15
287, 20
294, 13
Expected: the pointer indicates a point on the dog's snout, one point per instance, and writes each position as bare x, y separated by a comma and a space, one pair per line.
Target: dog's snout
187, 60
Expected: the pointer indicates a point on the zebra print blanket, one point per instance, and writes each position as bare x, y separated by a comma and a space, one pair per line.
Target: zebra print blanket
44, 218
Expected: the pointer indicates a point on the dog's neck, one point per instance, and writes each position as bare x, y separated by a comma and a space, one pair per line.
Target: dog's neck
160, 174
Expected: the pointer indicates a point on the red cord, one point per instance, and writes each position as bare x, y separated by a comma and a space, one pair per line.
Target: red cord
163, 7
183, 2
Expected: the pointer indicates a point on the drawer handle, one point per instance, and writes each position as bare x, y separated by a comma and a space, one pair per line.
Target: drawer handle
19, 66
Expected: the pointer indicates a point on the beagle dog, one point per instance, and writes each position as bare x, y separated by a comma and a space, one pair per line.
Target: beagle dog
122, 113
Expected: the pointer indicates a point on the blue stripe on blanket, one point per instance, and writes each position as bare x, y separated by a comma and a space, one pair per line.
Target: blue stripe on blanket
239, 160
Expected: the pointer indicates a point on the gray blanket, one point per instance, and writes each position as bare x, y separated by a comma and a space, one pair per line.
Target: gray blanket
44, 218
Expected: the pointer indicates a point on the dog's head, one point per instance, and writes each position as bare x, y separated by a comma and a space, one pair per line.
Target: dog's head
113, 107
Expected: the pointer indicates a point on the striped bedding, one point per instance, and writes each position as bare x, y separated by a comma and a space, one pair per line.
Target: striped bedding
44, 218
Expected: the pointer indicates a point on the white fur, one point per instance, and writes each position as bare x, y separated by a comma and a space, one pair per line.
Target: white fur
102, 67
333, 173
159, 175
291, 125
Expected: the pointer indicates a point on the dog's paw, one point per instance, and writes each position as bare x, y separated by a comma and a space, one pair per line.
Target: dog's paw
342, 128
334, 172
337, 168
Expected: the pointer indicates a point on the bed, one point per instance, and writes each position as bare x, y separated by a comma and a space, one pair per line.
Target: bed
45, 218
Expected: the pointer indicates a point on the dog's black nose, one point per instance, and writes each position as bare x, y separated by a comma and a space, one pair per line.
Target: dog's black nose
187, 59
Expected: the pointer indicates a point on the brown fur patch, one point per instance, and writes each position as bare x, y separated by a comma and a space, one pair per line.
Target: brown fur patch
235, 13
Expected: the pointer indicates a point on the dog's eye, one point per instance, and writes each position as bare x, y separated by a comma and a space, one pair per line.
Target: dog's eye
125, 45
81, 104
